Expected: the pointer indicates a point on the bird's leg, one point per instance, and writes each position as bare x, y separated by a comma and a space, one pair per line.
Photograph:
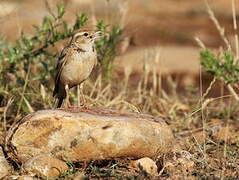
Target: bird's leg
78, 95
82, 95
67, 102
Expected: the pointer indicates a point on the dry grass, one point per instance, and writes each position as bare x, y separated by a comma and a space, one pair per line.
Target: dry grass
208, 132
206, 128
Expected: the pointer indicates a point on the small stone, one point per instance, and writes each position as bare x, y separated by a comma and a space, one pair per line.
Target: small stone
147, 165
4, 166
45, 166
179, 163
25, 177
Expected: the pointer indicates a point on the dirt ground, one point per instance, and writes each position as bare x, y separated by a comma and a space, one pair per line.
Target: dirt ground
159, 36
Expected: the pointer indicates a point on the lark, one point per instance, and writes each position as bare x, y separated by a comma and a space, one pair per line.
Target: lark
75, 64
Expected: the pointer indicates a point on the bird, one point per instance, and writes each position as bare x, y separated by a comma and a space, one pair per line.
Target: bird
75, 64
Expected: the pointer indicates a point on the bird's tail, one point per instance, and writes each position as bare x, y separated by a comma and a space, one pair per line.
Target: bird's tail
59, 94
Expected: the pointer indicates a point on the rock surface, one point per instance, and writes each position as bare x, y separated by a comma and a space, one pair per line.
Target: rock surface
4, 166
45, 166
23, 177
83, 134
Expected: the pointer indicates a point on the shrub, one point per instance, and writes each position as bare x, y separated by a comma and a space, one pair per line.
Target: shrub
27, 66
222, 67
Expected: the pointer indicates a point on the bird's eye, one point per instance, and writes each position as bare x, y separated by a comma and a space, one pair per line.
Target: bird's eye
86, 34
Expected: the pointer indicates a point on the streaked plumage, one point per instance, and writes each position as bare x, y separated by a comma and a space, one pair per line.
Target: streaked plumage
75, 64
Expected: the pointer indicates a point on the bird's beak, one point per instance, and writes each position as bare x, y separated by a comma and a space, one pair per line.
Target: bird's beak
97, 35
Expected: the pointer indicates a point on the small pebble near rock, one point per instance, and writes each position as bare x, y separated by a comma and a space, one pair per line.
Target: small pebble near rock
23, 177
45, 166
5, 168
146, 164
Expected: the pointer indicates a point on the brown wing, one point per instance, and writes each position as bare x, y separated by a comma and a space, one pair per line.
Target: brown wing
60, 64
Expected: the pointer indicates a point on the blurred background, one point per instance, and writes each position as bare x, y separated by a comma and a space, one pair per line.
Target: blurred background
157, 71
166, 29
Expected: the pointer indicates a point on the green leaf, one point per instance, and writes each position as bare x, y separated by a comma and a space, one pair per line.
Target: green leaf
60, 10
221, 67
47, 23
80, 21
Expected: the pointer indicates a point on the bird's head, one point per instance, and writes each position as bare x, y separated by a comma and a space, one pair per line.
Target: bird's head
85, 37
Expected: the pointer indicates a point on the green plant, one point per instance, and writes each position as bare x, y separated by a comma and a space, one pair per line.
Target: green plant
29, 47
28, 64
106, 48
222, 67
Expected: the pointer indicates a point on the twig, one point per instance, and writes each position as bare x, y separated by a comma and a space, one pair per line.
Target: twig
209, 87
204, 105
5, 114
218, 26
201, 44
235, 31
232, 91
49, 9
24, 89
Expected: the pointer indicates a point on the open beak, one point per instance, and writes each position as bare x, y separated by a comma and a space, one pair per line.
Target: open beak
97, 35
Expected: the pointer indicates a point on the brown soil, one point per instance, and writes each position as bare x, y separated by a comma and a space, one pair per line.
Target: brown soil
163, 29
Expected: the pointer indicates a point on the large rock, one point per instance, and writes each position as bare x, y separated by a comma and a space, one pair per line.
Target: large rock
5, 168
88, 134
45, 166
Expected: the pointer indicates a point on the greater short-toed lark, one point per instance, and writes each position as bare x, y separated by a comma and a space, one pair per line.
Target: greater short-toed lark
75, 64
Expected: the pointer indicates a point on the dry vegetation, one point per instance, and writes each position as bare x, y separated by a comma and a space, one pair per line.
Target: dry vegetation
207, 128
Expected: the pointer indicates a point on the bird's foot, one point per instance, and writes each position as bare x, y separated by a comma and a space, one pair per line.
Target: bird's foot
67, 105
